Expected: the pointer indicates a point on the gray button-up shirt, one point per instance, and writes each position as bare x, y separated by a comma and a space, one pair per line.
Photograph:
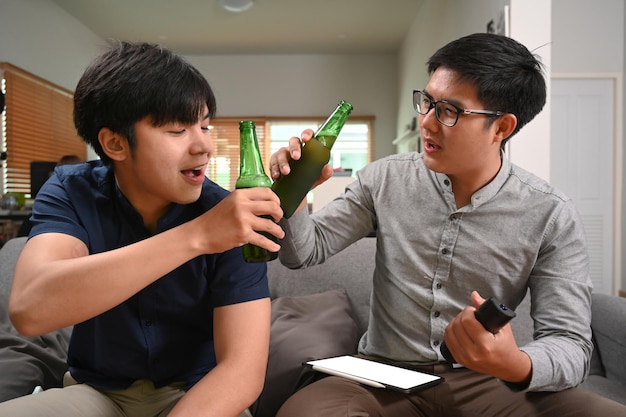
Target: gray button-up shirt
517, 234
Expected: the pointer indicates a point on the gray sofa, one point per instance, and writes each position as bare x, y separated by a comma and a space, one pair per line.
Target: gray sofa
317, 312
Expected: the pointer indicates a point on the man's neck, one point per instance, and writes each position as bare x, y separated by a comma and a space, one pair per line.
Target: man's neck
465, 187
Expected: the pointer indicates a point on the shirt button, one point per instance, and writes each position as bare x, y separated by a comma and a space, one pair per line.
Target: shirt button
148, 323
438, 285
437, 314
445, 251
446, 182
436, 343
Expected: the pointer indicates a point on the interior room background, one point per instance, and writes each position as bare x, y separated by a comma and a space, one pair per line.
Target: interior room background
576, 38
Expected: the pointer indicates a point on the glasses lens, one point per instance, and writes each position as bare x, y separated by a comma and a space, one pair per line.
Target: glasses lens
421, 102
446, 113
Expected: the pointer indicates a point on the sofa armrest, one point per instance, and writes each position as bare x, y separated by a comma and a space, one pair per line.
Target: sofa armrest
609, 334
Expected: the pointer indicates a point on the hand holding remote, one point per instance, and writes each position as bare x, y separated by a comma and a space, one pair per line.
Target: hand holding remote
492, 315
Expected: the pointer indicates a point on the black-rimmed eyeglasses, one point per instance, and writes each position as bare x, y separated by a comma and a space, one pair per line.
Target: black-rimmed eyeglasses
447, 113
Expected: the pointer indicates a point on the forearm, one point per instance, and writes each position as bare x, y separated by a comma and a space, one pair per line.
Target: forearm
55, 271
557, 364
299, 239
311, 239
561, 351
241, 334
225, 391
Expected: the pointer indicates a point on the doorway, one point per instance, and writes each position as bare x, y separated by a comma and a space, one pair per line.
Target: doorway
582, 165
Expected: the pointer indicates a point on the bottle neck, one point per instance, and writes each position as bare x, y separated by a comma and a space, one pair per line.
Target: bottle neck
251, 172
249, 157
329, 130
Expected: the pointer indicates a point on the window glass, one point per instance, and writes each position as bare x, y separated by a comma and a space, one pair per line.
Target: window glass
350, 152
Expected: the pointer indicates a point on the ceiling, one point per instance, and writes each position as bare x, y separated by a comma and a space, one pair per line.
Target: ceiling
202, 27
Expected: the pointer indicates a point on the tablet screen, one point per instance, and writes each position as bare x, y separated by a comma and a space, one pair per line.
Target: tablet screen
375, 373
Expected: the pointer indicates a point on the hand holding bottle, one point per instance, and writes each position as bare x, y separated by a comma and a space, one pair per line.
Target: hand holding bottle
236, 220
304, 172
279, 161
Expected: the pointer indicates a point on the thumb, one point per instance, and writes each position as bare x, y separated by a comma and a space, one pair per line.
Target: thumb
477, 300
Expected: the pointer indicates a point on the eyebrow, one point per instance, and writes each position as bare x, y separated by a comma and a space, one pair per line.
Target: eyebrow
451, 101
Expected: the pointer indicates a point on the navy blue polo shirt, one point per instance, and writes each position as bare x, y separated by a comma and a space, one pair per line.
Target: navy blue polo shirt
164, 333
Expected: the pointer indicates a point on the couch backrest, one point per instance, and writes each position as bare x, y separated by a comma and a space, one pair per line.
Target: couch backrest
8, 257
352, 269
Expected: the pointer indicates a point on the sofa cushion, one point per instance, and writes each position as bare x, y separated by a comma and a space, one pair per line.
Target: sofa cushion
304, 328
609, 388
609, 334
26, 362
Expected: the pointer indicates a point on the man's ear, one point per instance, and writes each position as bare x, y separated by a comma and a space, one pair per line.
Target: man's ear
505, 125
114, 145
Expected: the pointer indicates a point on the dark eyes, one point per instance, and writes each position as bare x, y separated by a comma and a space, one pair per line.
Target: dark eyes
181, 131
447, 108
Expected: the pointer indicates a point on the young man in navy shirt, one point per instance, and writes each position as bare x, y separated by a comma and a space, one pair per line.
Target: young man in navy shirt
141, 253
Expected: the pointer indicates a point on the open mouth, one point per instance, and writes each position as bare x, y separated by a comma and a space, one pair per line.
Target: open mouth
193, 173
431, 146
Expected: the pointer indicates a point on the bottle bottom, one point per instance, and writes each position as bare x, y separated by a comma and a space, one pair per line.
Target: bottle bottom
256, 254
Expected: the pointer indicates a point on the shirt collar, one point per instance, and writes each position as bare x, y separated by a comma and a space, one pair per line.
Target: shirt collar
487, 192
165, 222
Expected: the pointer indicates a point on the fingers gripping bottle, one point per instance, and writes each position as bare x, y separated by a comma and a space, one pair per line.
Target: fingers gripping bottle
293, 188
252, 174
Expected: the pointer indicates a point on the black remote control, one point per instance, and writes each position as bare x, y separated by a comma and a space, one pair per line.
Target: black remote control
492, 315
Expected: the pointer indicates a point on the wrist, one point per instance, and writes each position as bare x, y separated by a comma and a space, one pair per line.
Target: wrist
521, 372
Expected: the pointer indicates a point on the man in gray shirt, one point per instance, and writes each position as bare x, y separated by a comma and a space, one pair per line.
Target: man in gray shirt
455, 225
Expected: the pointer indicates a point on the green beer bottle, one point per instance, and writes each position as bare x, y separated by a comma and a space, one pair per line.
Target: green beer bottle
252, 174
293, 188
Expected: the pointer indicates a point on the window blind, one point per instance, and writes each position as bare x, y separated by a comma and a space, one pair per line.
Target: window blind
38, 126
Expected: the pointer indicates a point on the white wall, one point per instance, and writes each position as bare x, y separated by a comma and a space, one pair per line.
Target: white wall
589, 37
43, 39
531, 25
306, 85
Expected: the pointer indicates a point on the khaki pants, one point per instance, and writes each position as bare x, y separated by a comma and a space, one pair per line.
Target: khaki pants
141, 399
463, 394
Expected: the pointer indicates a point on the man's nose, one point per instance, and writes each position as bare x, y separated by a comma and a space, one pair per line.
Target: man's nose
428, 120
202, 142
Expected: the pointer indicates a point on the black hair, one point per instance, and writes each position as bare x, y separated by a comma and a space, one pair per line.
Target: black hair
132, 81
507, 76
